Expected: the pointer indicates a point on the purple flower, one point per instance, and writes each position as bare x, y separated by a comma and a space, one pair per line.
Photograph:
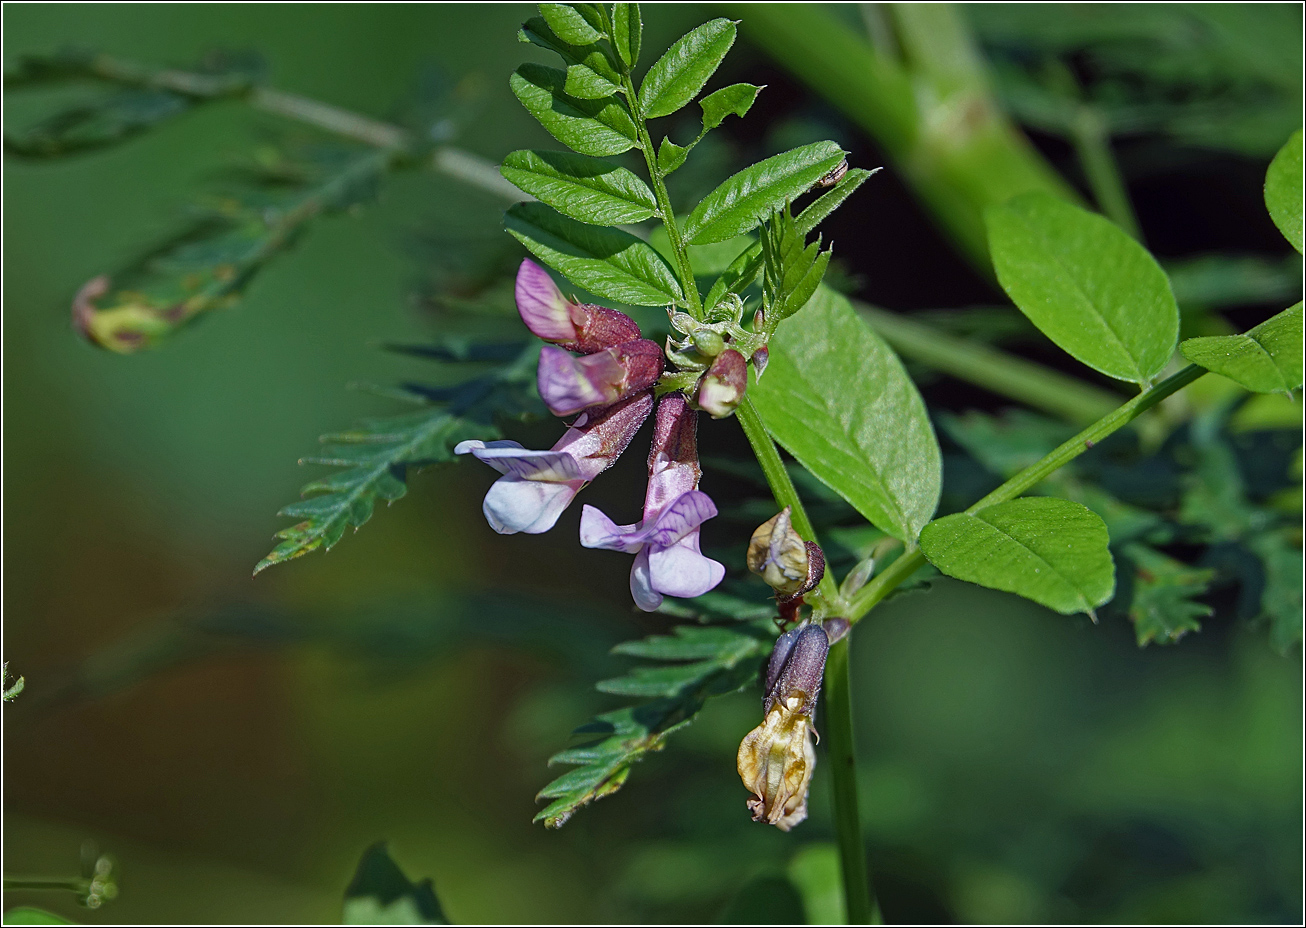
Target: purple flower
665, 544
538, 485
568, 384
575, 326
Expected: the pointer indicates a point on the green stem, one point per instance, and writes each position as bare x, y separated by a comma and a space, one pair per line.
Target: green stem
678, 249
782, 487
71, 884
863, 909
1088, 133
1030, 477
1004, 374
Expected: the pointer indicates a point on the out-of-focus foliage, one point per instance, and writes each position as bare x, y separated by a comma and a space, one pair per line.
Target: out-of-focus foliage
380, 894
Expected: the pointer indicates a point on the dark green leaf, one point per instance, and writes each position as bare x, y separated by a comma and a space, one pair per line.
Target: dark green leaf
681, 72
1086, 284
380, 894
832, 393
568, 24
741, 203
1161, 604
1283, 190
1281, 599
725, 660
377, 455
1049, 550
670, 155
607, 262
584, 188
734, 100
627, 27
1267, 359
97, 123
793, 269
591, 127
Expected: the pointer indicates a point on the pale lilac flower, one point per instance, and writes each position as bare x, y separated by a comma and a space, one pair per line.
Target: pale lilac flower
575, 326
668, 560
538, 485
569, 384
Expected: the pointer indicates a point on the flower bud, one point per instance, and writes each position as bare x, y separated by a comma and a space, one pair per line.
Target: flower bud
575, 326
777, 758
722, 388
779, 556
760, 357
708, 343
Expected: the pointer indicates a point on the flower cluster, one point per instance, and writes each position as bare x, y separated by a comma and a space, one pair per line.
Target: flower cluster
599, 368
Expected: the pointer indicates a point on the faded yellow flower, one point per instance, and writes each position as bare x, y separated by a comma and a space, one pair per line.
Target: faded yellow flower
776, 759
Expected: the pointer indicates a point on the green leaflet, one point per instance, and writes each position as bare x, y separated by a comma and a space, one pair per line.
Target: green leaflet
377, 455
591, 127
537, 32
1266, 359
380, 894
31, 915
745, 199
671, 155
724, 660
627, 28
837, 398
584, 188
793, 268
1283, 190
678, 76
1086, 284
568, 25
210, 265
1049, 550
1161, 602
586, 84
735, 100
607, 262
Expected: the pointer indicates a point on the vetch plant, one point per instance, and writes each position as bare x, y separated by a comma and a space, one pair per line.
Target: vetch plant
753, 333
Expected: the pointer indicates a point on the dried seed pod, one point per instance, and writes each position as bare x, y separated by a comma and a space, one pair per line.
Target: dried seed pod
779, 556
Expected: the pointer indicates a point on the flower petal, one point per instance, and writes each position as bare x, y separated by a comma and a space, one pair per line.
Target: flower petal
568, 385
543, 308
510, 458
641, 583
532, 506
598, 531
681, 570
686, 513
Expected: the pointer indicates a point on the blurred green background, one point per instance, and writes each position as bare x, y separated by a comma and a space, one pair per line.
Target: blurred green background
236, 743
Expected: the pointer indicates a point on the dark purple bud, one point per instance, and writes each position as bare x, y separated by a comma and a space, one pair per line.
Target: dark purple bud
760, 357
722, 388
836, 629
801, 668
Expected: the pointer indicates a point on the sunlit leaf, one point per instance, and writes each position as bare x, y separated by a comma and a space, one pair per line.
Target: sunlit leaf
837, 398
568, 24
627, 27
1283, 190
607, 262
1049, 550
744, 200
676, 77
1267, 359
1086, 284
735, 100
591, 127
536, 31
584, 188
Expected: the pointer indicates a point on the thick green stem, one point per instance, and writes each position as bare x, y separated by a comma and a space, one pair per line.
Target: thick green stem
863, 909
768, 455
1031, 476
1006, 375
